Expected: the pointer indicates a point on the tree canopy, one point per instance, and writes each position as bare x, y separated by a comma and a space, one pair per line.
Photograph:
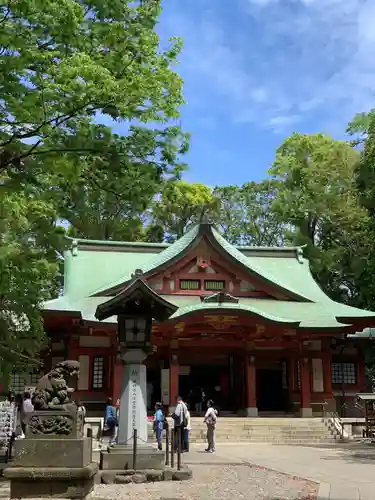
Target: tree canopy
245, 214
179, 205
66, 62
318, 198
67, 66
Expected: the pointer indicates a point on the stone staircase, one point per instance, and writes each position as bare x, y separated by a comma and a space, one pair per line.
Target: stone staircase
292, 431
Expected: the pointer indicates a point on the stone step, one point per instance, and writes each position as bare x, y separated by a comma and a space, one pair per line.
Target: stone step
269, 430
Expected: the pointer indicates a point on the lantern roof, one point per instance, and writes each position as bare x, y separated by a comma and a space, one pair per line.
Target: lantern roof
137, 299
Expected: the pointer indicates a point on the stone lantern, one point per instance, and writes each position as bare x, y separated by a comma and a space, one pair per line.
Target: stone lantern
136, 307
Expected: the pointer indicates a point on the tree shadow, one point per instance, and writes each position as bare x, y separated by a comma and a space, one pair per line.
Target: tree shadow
357, 453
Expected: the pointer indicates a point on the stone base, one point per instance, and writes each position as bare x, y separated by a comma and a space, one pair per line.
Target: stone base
49, 452
144, 476
252, 412
306, 412
48, 482
121, 458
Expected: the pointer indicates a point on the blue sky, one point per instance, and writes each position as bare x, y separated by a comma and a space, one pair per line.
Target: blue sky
257, 70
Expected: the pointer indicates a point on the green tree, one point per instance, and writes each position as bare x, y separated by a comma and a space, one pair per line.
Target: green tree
64, 65
179, 205
246, 216
28, 268
366, 187
65, 62
109, 203
359, 126
319, 198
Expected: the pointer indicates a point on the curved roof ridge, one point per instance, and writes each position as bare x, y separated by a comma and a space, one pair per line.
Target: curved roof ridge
252, 266
119, 243
115, 243
262, 267
163, 257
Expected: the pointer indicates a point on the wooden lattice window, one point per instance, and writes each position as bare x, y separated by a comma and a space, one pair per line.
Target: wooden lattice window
190, 284
34, 378
214, 285
17, 383
98, 372
344, 373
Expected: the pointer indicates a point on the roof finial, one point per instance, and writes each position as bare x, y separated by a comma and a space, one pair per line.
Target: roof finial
299, 253
75, 248
138, 273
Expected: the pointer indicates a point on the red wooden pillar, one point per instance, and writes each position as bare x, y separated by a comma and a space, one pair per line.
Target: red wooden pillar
73, 347
174, 373
251, 388
117, 370
306, 410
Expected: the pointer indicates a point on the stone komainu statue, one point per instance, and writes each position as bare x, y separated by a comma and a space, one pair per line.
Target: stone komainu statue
52, 391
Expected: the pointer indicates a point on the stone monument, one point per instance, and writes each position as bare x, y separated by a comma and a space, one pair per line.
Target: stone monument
54, 459
135, 307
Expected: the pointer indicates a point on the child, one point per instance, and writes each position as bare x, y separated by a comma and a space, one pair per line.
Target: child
159, 424
110, 422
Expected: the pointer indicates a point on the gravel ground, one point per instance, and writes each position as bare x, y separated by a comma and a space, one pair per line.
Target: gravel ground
214, 482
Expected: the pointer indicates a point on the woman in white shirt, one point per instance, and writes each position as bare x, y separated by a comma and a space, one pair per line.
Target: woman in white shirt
210, 420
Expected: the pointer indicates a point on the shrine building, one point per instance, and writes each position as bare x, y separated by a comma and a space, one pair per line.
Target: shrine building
248, 325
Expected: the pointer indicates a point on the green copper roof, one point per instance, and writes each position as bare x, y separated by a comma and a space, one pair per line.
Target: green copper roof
89, 271
278, 274
367, 334
160, 259
288, 273
98, 268
307, 314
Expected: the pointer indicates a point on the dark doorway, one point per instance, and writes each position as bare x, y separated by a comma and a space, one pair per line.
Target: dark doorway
270, 394
214, 381
153, 388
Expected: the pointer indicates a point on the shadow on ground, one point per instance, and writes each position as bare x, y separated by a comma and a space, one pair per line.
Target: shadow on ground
355, 453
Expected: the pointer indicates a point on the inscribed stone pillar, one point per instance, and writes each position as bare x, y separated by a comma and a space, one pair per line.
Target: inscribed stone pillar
133, 413
306, 410
251, 393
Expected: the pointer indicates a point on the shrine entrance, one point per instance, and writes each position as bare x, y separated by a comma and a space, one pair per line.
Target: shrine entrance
212, 379
270, 393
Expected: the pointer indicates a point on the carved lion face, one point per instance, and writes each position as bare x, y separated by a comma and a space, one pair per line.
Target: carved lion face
70, 368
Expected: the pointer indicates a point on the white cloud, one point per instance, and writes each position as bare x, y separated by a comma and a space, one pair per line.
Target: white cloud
288, 60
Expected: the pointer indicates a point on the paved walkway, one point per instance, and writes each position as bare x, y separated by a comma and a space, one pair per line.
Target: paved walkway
345, 472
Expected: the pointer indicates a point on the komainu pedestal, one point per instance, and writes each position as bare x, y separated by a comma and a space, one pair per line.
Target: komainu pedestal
54, 459
48, 464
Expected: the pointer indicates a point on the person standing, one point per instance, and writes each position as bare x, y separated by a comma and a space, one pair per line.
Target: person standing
179, 419
199, 400
186, 431
210, 419
26, 408
81, 410
110, 422
159, 424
